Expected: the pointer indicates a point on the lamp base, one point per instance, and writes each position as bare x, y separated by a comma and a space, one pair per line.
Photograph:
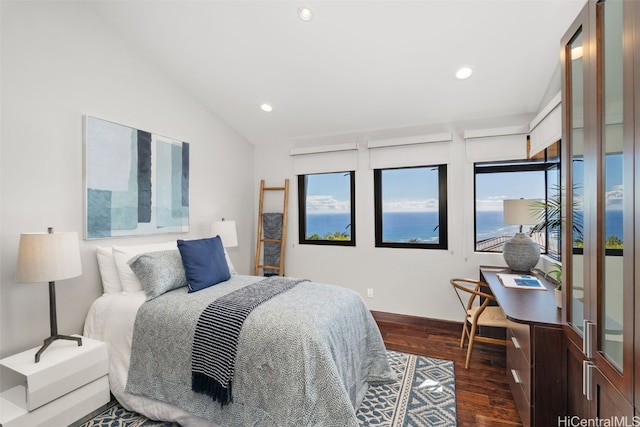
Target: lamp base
54, 324
48, 341
521, 253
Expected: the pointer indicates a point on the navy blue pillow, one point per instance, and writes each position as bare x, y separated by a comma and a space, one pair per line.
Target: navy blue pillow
204, 262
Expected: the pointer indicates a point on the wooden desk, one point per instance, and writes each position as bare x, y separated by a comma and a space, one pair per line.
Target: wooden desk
534, 348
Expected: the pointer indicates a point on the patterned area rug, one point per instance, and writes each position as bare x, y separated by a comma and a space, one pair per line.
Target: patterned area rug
424, 395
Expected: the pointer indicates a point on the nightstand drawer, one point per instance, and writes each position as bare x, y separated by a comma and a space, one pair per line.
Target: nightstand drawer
63, 367
61, 412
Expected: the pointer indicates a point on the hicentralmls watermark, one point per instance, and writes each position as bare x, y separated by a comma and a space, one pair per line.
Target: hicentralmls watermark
576, 421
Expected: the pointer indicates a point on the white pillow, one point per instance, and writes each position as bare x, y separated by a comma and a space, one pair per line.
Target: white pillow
122, 255
108, 271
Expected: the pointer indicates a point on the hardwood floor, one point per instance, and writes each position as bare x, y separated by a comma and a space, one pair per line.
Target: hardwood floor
483, 397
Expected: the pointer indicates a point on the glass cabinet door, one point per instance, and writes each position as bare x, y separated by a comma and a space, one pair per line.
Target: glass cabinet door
614, 289
611, 298
577, 138
574, 57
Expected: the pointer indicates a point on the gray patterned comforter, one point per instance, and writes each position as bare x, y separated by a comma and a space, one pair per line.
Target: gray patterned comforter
305, 357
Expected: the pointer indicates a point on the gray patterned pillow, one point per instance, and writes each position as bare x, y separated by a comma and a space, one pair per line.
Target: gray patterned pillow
159, 272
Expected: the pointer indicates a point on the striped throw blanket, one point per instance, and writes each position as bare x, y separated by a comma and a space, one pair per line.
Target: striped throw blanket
215, 340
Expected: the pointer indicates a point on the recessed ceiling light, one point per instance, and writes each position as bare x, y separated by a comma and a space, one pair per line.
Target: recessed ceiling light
266, 108
464, 73
305, 14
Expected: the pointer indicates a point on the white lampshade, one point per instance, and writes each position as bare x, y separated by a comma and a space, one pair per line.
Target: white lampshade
227, 232
47, 257
521, 211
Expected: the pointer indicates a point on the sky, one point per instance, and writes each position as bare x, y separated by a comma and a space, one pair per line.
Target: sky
327, 193
493, 188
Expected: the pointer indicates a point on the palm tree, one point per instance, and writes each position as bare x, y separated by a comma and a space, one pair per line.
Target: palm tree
549, 214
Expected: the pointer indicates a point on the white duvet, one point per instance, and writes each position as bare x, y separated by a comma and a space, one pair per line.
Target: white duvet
111, 319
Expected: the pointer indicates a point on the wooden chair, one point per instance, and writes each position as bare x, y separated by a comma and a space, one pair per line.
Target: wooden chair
480, 314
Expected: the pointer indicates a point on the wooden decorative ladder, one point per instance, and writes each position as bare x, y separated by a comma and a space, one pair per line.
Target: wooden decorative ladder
261, 239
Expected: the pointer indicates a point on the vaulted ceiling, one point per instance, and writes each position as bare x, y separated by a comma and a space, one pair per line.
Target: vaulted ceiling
356, 66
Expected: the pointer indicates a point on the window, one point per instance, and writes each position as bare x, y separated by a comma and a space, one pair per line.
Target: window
411, 207
535, 178
327, 209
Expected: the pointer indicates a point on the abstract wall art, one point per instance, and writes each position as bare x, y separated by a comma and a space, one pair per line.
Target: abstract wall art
136, 182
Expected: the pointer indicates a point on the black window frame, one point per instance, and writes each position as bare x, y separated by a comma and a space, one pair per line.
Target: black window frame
443, 227
544, 163
302, 212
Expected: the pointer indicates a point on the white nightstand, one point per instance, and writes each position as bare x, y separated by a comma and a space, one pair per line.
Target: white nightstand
69, 382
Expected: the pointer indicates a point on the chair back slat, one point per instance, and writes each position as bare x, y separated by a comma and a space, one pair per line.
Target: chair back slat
467, 290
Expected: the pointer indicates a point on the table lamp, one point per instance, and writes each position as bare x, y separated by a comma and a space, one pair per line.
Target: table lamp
227, 232
521, 253
47, 257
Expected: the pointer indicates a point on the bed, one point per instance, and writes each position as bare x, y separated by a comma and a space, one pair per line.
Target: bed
305, 357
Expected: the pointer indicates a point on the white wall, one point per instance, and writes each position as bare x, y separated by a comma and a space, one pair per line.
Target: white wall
405, 281
60, 61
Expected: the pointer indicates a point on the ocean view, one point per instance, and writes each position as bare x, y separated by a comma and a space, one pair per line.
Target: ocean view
404, 226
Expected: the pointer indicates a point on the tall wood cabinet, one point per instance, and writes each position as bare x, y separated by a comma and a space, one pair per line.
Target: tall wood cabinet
601, 186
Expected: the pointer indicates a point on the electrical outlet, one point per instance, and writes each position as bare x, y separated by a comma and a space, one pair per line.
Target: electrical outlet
370, 293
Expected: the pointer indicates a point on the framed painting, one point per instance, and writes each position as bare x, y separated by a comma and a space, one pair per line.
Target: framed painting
136, 182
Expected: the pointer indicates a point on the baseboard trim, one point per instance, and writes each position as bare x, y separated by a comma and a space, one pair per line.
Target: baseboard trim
416, 322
